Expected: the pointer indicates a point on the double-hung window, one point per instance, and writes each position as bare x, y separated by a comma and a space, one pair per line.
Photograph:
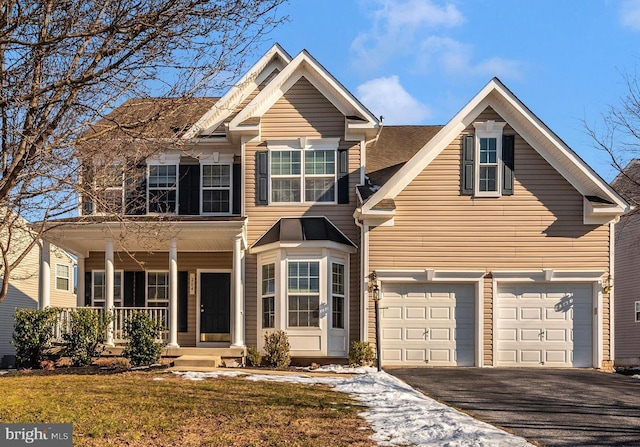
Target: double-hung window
268, 295
99, 288
109, 185
338, 295
163, 188
157, 289
216, 189
63, 277
303, 293
306, 173
488, 165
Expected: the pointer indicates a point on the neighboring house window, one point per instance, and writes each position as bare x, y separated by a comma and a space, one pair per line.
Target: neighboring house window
157, 289
99, 288
637, 310
162, 186
487, 161
303, 293
268, 295
63, 279
338, 295
306, 173
216, 188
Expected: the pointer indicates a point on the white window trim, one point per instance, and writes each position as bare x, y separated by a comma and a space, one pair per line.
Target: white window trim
108, 189
146, 288
268, 295
164, 160
343, 295
215, 188
488, 129
637, 309
304, 144
93, 283
68, 277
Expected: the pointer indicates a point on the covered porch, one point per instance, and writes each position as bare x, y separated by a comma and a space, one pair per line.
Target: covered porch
185, 273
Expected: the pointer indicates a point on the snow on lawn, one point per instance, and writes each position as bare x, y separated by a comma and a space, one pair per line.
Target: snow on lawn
397, 413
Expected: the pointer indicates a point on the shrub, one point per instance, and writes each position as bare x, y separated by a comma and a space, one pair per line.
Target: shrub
277, 349
142, 331
254, 358
86, 332
32, 335
361, 354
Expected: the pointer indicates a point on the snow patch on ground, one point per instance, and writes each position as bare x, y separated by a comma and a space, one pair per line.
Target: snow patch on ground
398, 414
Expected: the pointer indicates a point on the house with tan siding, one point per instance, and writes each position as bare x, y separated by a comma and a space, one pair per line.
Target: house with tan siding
288, 205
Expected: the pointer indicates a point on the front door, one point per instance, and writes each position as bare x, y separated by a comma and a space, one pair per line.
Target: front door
215, 307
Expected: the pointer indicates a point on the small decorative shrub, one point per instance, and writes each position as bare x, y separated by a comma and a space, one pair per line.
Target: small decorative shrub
142, 331
85, 335
254, 358
361, 354
277, 349
32, 335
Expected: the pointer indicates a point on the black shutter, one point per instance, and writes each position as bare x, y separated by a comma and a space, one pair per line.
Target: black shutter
508, 164
189, 190
140, 289
343, 176
466, 176
183, 297
262, 178
129, 290
136, 191
87, 288
237, 189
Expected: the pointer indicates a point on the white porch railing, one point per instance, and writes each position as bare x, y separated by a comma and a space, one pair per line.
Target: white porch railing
120, 315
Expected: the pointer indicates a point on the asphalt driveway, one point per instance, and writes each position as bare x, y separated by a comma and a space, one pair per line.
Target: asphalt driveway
549, 407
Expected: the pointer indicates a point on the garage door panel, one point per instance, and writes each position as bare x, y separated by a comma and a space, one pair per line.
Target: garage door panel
549, 318
391, 313
437, 320
391, 333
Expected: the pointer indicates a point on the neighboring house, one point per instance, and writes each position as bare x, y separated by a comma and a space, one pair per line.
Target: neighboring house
487, 252
24, 286
627, 270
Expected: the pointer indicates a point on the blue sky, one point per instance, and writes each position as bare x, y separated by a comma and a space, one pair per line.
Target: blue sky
421, 61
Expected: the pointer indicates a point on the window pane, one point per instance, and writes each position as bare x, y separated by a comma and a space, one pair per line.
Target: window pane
216, 176
162, 176
319, 190
337, 314
215, 201
337, 279
162, 201
304, 277
285, 190
488, 150
488, 178
268, 279
268, 312
157, 288
319, 162
285, 163
304, 311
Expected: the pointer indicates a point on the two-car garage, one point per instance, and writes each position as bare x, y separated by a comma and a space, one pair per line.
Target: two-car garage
535, 324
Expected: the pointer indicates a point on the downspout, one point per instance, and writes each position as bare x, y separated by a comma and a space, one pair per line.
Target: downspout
612, 314
364, 286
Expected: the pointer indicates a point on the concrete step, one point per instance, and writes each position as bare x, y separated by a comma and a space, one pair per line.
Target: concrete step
200, 361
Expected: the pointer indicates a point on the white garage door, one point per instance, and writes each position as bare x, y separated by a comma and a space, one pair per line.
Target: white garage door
545, 325
427, 324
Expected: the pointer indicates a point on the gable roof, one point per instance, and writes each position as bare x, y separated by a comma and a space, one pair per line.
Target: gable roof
496, 95
358, 118
274, 59
627, 182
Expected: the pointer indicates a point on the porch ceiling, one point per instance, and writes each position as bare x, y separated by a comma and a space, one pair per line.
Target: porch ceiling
81, 238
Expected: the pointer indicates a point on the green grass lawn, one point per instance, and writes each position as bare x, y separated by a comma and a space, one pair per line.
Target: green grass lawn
133, 409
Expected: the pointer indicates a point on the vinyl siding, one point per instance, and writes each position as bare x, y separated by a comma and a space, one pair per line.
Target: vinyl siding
301, 112
187, 261
627, 285
540, 226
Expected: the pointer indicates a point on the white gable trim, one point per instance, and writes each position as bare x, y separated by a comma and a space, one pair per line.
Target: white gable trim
536, 133
305, 65
276, 56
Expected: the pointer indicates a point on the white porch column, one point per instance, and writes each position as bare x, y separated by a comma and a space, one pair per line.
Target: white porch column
108, 282
237, 336
80, 282
173, 294
44, 298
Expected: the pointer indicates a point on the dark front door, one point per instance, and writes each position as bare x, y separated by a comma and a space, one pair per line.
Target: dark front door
215, 307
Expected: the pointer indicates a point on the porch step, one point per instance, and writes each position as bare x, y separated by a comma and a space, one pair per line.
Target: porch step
200, 361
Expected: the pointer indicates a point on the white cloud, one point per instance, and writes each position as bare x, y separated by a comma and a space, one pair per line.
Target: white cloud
630, 14
456, 58
386, 96
396, 25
